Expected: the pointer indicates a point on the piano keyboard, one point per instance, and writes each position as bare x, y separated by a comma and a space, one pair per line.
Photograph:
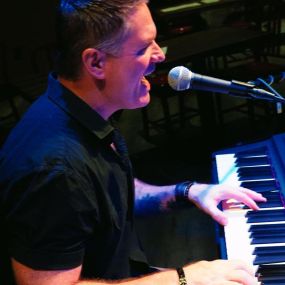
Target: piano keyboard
257, 237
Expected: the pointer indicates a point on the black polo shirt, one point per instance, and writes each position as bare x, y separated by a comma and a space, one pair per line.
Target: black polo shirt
65, 196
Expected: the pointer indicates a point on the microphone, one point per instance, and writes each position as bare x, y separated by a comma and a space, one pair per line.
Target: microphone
181, 78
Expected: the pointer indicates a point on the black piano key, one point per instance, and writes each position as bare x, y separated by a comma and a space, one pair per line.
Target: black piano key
268, 250
267, 228
252, 152
254, 176
268, 183
267, 234
272, 195
252, 173
268, 204
251, 161
265, 216
272, 269
262, 250
274, 199
273, 282
256, 169
268, 239
271, 274
260, 186
273, 212
269, 258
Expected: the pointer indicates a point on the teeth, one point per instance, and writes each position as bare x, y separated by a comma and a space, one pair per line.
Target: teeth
144, 79
145, 82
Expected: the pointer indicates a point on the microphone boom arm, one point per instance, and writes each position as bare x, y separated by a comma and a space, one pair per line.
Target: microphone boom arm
254, 93
181, 78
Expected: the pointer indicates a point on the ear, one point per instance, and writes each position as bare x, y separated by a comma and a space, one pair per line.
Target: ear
94, 62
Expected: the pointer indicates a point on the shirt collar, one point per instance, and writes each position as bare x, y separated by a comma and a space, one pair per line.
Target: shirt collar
77, 108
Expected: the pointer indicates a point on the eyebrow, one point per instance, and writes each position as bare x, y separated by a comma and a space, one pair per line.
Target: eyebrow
149, 40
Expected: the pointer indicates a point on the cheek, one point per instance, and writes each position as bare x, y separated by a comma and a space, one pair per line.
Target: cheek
132, 78
140, 66
129, 74
136, 72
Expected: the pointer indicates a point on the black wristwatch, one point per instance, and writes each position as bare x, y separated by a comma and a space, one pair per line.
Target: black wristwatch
181, 276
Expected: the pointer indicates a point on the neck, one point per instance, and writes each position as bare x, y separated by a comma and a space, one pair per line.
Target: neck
90, 93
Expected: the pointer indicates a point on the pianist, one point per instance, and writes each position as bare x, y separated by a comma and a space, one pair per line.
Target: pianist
66, 198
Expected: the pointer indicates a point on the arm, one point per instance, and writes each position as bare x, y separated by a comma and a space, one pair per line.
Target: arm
150, 198
202, 273
25, 275
28, 276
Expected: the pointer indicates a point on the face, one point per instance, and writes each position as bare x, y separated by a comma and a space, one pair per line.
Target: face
126, 85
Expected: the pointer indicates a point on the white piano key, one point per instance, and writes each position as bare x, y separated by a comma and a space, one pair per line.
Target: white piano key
237, 236
227, 170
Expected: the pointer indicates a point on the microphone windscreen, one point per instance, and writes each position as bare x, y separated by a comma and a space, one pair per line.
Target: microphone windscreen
179, 78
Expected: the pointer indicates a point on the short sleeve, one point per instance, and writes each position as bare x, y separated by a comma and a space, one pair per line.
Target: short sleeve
52, 215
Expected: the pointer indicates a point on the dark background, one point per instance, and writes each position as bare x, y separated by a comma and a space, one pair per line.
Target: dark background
163, 149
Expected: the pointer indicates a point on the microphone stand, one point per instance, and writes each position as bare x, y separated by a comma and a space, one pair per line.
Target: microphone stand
276, 97
267, 84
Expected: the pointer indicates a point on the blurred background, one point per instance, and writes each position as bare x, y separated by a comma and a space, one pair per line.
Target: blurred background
173, 138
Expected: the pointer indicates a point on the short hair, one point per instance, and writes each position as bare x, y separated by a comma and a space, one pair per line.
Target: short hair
81, 24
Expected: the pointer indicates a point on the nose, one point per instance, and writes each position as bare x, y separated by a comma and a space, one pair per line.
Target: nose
158, 54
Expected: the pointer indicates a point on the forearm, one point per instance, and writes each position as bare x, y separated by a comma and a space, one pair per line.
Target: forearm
150, 199
167, 277
25, 275
202, 273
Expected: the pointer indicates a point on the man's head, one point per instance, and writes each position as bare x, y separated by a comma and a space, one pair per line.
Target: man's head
106, 52
83, 24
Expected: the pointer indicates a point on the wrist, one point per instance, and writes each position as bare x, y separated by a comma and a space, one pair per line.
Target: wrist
181, 276
182, 191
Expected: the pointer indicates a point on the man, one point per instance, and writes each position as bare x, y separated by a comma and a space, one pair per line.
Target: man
66, 184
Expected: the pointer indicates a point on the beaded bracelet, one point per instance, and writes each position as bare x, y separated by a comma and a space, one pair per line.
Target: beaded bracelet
181, 276
182, 191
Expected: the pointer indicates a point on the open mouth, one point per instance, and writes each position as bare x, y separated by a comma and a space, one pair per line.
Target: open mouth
150, 70
146, 83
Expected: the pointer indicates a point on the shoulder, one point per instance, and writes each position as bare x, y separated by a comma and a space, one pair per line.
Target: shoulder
43, 140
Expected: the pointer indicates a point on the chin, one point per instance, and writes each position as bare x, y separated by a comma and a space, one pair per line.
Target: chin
140, 102
144, 101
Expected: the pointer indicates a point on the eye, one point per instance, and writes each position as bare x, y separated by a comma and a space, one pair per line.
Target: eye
142, 51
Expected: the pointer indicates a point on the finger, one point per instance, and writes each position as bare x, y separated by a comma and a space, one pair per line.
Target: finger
254, 195
242, 277
225, 282
242, 265
245, 199
218, 215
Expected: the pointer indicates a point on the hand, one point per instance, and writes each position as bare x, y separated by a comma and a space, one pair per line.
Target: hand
208, 196
220, 272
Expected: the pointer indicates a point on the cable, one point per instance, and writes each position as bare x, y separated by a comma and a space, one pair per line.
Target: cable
279, 108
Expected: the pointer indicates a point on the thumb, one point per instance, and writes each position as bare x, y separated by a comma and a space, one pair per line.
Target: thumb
218, 216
